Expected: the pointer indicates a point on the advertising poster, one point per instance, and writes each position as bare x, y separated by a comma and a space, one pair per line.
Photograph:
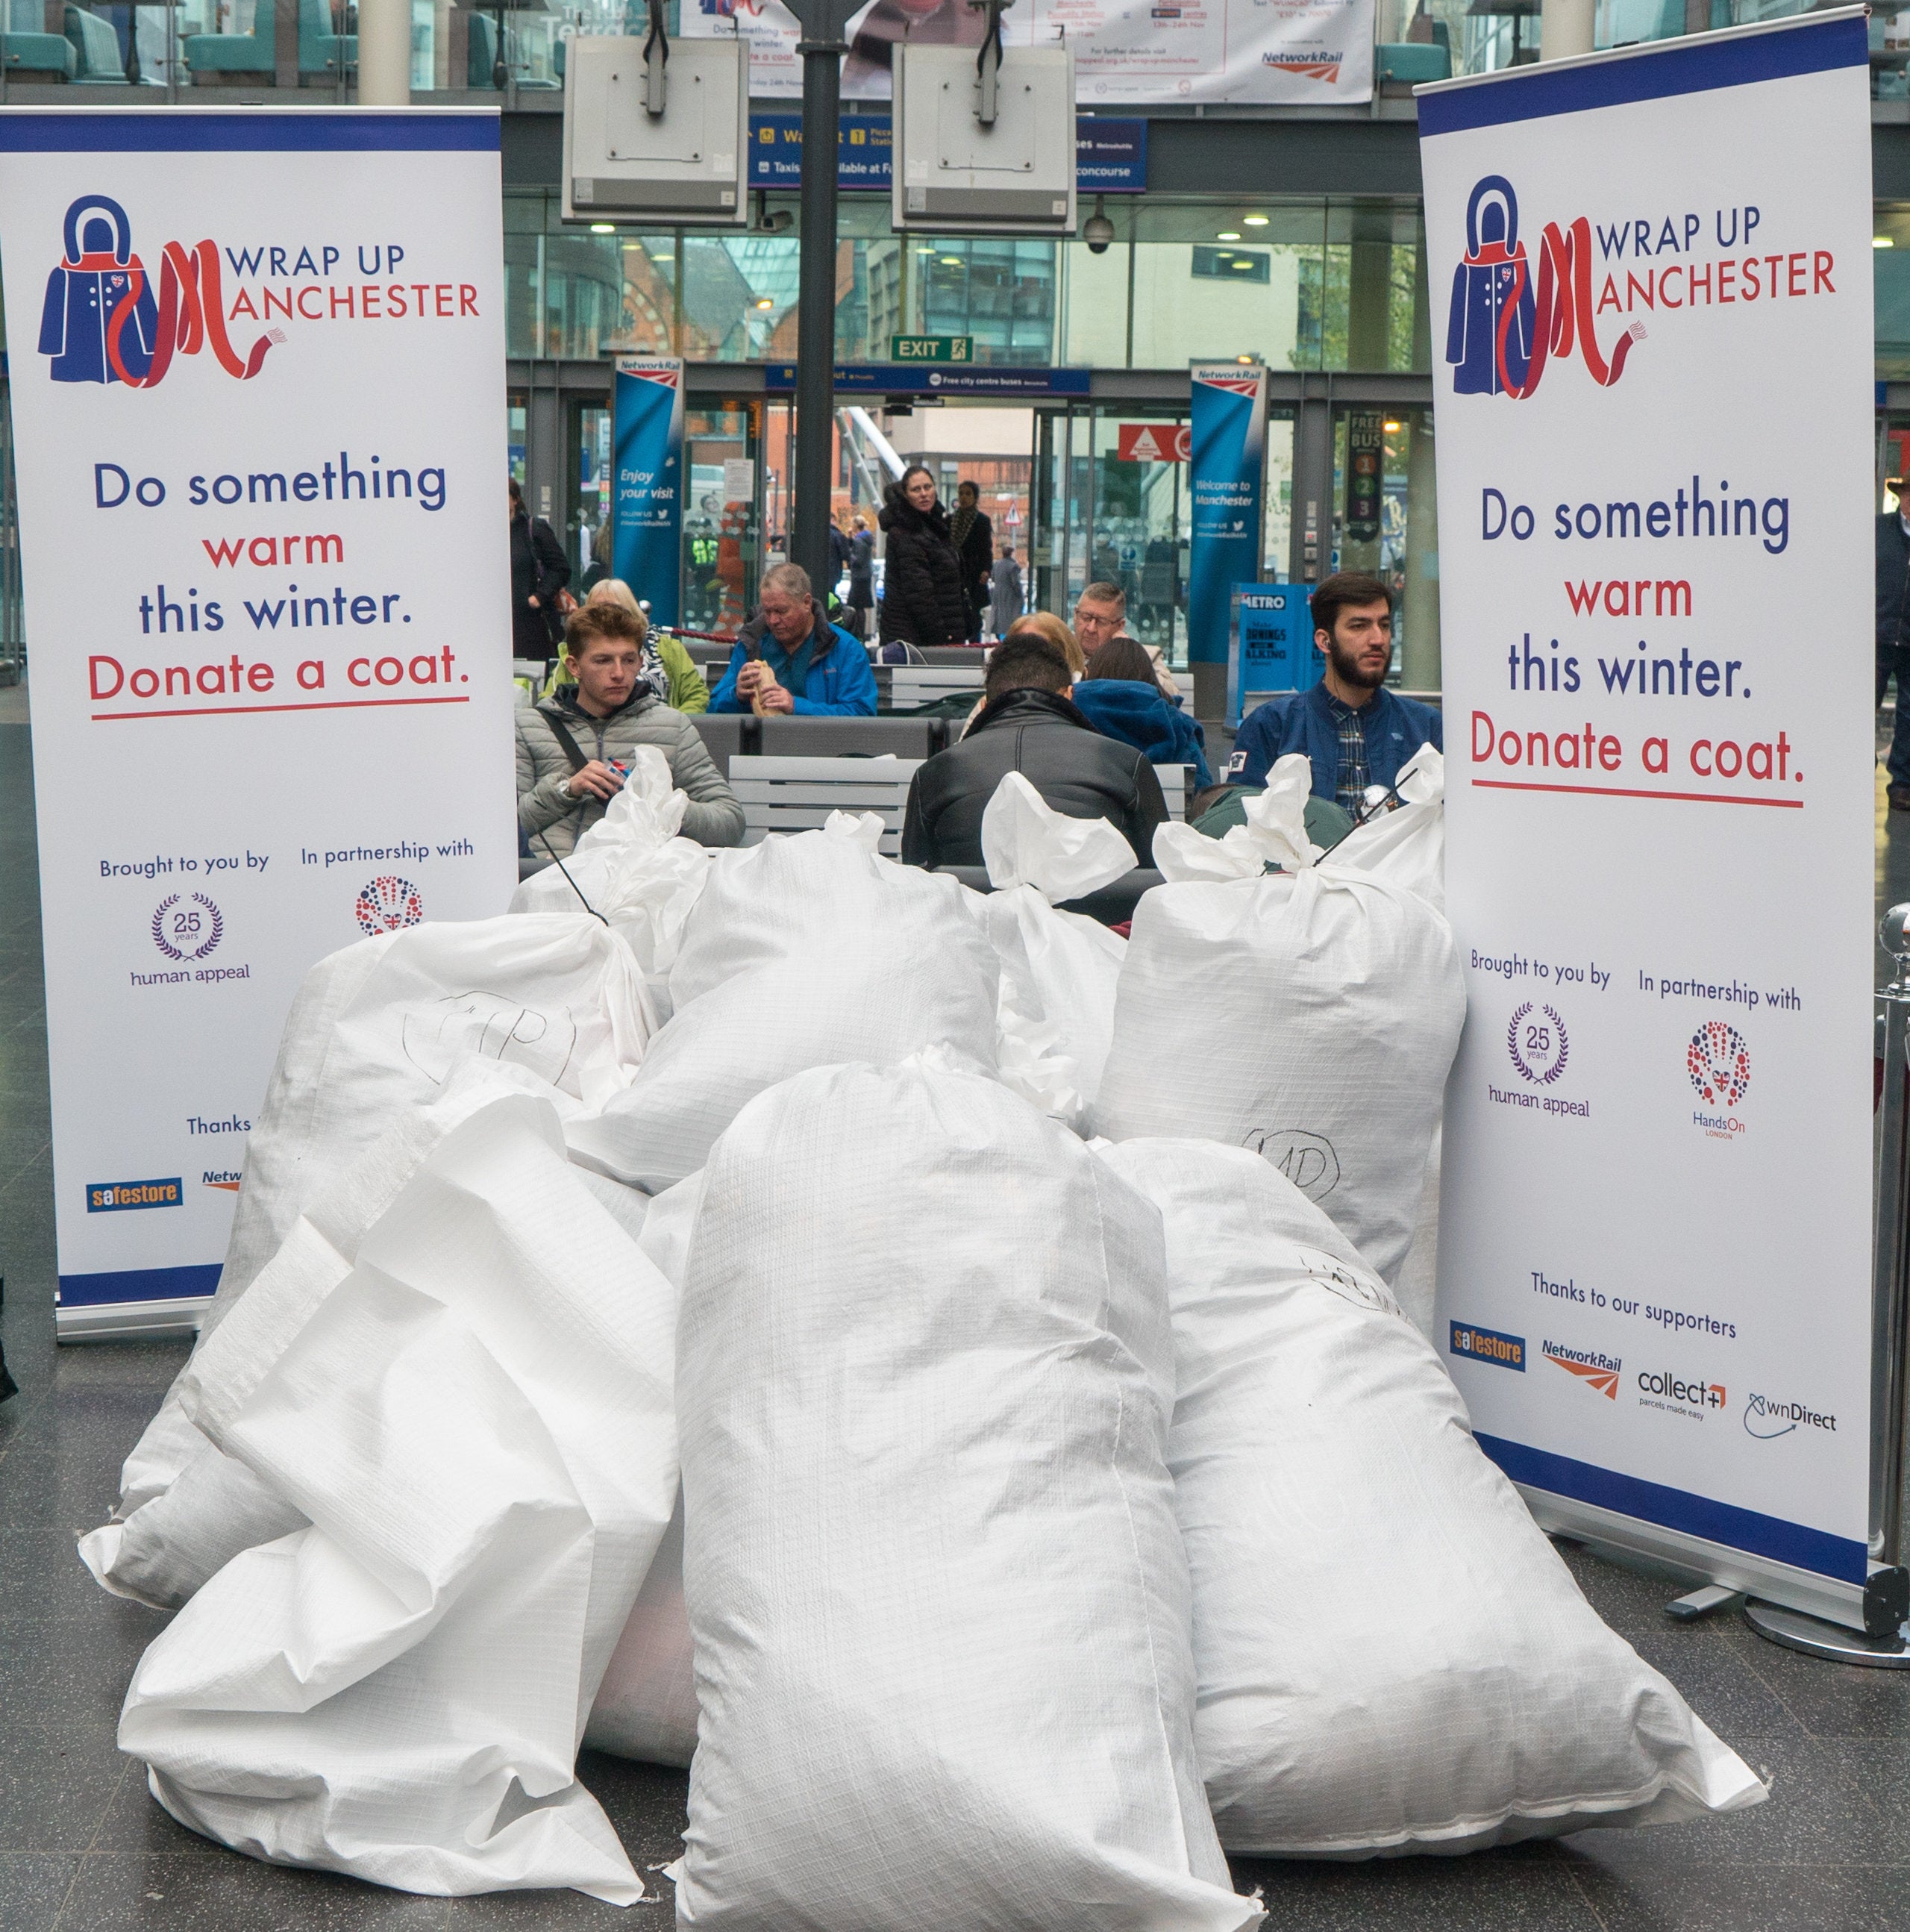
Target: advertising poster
1274, 648
1227, 425
646, 526
1293, 52
256, 378
1654, 1268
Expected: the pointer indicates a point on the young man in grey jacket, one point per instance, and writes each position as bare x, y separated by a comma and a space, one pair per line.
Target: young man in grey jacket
575, 749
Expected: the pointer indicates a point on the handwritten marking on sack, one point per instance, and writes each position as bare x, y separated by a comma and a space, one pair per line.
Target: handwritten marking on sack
492, 1027
1307, 1160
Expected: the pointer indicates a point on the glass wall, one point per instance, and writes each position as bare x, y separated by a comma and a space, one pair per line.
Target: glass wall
1334, 286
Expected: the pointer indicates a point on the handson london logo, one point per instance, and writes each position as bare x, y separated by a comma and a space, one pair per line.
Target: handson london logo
1719, 1063
102, 321
1503, 328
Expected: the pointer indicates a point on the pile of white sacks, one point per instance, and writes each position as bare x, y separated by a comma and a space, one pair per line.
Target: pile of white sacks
931, 1359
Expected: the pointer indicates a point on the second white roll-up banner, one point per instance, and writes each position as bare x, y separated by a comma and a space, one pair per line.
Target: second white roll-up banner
257, 380
1654, 402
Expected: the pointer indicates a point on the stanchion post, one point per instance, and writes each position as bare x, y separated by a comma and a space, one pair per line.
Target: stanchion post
824, 24
1886, 1598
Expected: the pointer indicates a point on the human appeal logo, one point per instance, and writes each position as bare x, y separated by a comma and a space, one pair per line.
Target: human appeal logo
1598, 1372
1502, 329
388, 905
1537, 1041
101, 322
187, 929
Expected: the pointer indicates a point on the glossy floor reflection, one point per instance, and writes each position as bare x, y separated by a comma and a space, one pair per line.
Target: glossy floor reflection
83, 1847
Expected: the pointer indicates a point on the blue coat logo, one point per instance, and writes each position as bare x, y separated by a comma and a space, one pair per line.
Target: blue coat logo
1492, 297
98, 324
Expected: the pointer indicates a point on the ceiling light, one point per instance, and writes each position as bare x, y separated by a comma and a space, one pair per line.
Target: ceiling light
1392, 429
1228, 235
1247, 360
763, 302
1881, 241
603, 227
951, 261
1256, 220
1239, 262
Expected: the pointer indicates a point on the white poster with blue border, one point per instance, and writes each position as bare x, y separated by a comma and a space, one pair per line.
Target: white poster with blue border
1655, 406
256, 364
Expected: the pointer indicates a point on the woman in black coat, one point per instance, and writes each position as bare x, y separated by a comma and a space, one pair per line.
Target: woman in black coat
922, 591
539, 569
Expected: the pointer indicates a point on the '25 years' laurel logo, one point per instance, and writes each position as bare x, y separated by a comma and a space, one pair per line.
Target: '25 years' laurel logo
1536, 1041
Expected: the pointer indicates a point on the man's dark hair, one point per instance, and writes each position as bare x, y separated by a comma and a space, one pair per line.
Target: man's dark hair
1343, 590
589, 622
1027, 661
1121, 657
517, 492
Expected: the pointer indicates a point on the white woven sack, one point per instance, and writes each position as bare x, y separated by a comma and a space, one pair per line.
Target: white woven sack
646, 1705
1392, 1658
1310, 1017
479, 1423
185, 1509
630, 867
1056, 1010
379, 1027
1408, 846
939, 1599
801, 952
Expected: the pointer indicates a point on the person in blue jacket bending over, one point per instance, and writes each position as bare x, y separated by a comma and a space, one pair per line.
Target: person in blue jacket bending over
808, 667
1357, 733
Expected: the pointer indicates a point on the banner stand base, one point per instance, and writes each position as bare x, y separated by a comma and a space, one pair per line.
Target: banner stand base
129, 1321
1812, 1635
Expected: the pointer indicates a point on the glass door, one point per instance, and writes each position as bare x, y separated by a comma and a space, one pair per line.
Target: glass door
590, 506
1386, 521
722, 516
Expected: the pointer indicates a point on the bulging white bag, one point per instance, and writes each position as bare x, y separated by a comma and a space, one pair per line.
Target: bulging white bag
379, 1027
185, 1510
1392, 1657
939, 1599
1310, 1016
1274, 833
1055, 1011
646, 1705
477, 1423
1408, 846
801, 952
630, 867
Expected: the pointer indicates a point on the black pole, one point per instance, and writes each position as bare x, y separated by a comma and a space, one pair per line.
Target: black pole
822, 49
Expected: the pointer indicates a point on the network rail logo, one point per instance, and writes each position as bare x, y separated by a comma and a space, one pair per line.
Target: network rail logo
1599, 1373
1488, 1344
102, 321
1506, 324
116, 1197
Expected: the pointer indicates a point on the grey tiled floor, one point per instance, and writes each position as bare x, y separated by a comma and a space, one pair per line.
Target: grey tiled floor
83, 1849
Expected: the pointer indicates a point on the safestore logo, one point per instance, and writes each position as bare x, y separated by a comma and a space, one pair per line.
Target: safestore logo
1488, 1344
115, 1197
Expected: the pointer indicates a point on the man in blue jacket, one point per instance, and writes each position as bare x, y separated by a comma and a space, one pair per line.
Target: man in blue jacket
1355, 732
807, 666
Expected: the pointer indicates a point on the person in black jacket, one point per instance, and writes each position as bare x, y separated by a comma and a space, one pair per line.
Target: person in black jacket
1026, 725
861, 576
1893, 640
974, 538
922, 601
539, 569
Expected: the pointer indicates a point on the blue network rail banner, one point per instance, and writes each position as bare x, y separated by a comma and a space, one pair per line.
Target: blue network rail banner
1111, 154
646, 496
256, 416
1227, 441
1659, 1048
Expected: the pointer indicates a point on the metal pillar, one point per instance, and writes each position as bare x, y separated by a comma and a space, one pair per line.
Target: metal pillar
1886, 1644
1568, 27
824, 23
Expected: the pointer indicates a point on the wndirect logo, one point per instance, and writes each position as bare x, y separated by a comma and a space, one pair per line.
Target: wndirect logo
1665, 1390
1767, 1419
115, 1197
1501, 330
1488, 1344
101, 324
1598, 1372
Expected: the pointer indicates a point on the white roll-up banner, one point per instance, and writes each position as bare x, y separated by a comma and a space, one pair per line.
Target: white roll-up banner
256, 364
1654, 404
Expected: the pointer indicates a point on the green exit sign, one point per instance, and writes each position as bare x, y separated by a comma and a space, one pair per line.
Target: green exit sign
932, 348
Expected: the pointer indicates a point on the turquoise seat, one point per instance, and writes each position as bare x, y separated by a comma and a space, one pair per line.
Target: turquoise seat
96, 58
1410, 62
45, 56
320, 50
480, 60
